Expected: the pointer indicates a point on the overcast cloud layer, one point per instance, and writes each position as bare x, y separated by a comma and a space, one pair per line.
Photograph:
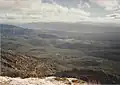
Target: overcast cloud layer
21, 11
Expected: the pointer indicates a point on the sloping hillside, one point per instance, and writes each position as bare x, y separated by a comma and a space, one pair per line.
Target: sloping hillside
26, 66
16, 65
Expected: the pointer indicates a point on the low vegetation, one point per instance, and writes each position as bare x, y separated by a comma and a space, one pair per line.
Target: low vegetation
38, 53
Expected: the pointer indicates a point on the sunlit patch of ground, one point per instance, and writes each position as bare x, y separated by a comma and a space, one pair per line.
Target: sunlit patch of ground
43, 81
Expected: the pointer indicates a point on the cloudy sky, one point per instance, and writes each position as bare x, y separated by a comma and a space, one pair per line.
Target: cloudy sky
25, 11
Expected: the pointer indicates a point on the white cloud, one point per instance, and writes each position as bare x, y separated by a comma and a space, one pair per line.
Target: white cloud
114, 16
111, 18
109, 4
22, 11
29, 11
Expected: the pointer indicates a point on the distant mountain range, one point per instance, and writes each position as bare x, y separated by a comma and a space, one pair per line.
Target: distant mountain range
78, 27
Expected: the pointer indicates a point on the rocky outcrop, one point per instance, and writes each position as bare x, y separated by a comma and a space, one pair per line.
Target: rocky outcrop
43, 81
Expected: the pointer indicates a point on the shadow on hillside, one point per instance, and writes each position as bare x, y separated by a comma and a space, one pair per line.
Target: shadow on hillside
90, 75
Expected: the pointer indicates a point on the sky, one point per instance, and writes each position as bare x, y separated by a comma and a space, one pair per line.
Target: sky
27, 11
